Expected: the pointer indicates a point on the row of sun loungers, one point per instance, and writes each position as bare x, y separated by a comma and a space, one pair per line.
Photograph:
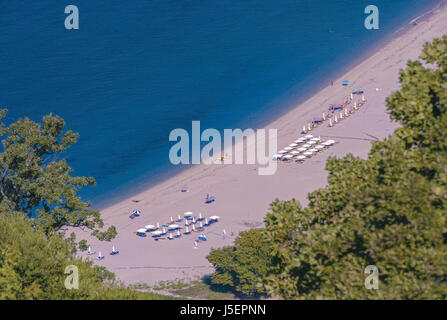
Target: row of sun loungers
174, 229
303, 148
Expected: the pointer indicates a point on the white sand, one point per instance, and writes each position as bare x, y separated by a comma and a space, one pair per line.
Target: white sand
243, 197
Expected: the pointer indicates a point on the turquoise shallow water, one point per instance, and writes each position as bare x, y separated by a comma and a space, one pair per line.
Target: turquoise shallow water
137, 69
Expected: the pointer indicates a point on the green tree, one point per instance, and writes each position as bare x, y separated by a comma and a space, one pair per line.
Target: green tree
244, 265
388, 210
32, 266
34, 182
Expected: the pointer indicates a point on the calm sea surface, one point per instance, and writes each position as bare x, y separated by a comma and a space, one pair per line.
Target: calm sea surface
137, 69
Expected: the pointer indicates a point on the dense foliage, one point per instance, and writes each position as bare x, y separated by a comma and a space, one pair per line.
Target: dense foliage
38, 197
388, 211
32, 266
33, 181
243, 265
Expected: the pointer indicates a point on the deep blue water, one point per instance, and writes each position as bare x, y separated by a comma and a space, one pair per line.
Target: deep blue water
137, 69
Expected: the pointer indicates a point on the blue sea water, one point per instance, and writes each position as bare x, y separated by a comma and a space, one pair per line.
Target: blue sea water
137, 69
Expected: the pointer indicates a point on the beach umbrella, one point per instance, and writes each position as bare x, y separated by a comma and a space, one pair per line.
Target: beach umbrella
164, 231
149, 227
282, 151
330, 122
136, 212
158, 225
188, 214
141, 230
172, 219
320, 146
341, 115
214, 218
301, 157
289, 156
193, 219
302, 149
309, 127
324, 116
313, 150
200, 216
335, 119
309, 136
293, 145
193, 227
315, 139
170, 235
206, 221
288, 148
276, 156
304, 128
100, 256
307, 153
173, 226
295, 152
306, 145
187, 230
328, 143
311, 142
363, 98
201, 225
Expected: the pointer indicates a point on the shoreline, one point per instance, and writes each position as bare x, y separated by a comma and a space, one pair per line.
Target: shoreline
243, 196
286, 104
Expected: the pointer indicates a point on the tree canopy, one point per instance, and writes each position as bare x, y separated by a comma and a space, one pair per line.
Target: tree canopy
35, 182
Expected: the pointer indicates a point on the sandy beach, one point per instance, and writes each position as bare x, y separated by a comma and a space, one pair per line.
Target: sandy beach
243, 196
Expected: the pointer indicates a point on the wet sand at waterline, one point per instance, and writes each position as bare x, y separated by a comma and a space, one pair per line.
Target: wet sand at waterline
243, 196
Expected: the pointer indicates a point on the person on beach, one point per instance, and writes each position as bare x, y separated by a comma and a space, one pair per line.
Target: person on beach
223, 234
195, 244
